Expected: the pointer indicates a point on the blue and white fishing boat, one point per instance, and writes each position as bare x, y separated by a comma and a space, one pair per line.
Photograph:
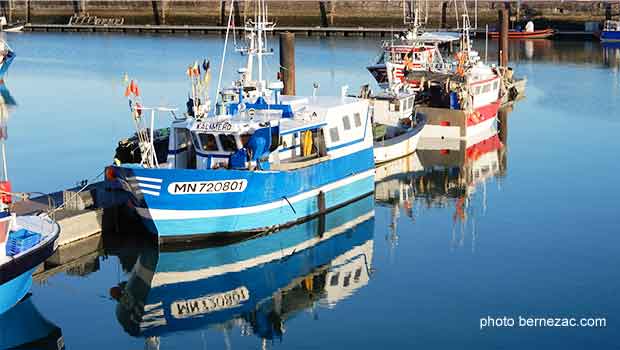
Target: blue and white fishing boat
256, 284
259, 161
25, 241
611, 31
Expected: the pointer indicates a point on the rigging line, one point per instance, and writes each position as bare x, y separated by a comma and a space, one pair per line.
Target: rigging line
289, 203
219, 79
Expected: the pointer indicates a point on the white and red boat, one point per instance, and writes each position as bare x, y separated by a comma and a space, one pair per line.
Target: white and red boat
420, 54
465, 102
413, 52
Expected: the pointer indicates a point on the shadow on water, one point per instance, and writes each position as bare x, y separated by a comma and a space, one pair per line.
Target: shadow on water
254, 284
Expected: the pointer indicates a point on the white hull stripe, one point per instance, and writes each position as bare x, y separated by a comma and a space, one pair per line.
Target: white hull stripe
152, 193
147, 179
163, 278
155, 187
171, 214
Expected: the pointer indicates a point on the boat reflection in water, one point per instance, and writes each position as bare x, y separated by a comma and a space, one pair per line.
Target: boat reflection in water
445, 173
23, 327
256, 284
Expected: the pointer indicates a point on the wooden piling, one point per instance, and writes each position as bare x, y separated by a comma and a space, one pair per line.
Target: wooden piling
287, 62
444, 14
502, 56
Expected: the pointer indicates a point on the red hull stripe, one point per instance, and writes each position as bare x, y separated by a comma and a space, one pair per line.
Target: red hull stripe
483, 113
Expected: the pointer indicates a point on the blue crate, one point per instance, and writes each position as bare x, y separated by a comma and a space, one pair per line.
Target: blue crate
20, 241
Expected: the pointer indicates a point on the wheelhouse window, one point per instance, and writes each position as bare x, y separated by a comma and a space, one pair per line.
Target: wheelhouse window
495, 85
333, 134
208, 143
346, 122
477, 90
486, 88
357, 119
410, 101
228, 142
183, 139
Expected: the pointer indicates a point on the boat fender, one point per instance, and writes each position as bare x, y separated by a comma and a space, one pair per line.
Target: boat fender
5, 192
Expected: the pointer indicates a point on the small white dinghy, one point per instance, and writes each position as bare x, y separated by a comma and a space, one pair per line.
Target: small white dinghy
11, 28
396, 128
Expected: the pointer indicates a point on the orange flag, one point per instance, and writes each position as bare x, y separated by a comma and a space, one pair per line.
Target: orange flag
127, 91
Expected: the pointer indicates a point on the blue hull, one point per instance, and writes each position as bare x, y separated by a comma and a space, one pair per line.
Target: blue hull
14, 290
270, 198
167, 290
610, 36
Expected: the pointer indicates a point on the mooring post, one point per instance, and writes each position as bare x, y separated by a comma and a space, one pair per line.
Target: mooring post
27, 11
444, 16
503, 37
287, 62
502, 118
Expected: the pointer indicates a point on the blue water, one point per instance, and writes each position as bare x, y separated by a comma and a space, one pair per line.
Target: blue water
537, 239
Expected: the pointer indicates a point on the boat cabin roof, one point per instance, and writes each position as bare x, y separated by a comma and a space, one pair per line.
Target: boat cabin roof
307, 113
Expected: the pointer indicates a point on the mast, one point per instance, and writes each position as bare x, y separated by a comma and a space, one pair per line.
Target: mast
256, 30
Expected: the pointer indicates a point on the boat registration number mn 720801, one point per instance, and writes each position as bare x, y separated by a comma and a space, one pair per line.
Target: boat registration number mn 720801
209, 303
207, 187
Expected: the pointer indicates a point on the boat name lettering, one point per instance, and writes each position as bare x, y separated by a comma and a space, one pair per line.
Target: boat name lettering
209, 303
214, 126
207, 187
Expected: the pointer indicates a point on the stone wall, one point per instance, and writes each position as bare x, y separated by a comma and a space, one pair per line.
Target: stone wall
290, 12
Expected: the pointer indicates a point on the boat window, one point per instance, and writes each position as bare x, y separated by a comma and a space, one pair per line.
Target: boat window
182, 138
347, 280
486, 88
357, 119
477, 90
333, 133
346, 122
334, 280
208, 142
357, 275
495, 85
410, 103
228, 142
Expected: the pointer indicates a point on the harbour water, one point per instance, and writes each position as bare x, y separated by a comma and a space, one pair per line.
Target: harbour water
522, 228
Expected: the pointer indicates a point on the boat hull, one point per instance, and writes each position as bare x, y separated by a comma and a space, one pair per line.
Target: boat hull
399, 146
610, 36
379, 72
270, 199
16, 272
457, 124
537, 34
14, 290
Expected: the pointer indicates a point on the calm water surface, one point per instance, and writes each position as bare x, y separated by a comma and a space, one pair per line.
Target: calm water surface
525, 224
